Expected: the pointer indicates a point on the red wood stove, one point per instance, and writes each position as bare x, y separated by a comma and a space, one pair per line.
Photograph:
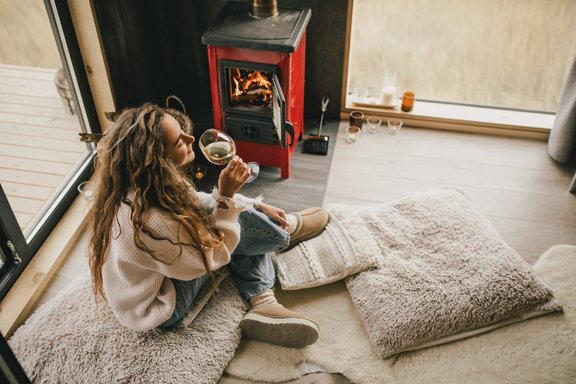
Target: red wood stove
257, 81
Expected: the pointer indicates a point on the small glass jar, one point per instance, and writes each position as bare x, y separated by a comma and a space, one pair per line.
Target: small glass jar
407, 101
356, 119
352, 133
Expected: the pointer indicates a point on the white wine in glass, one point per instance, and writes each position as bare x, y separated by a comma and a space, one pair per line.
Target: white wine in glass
219, 149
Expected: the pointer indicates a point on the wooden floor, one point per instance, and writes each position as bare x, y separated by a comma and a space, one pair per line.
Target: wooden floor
39, 142
512, 181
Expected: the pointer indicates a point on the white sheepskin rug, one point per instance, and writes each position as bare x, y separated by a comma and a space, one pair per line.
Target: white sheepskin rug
72, 340
539, 350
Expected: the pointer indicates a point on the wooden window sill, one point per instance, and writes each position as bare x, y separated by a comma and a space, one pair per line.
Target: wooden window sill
464, 118
16, 305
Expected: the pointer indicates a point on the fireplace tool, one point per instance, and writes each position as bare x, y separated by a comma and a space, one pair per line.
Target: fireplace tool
318, 144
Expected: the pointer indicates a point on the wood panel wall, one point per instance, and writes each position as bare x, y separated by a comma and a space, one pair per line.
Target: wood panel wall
154, 49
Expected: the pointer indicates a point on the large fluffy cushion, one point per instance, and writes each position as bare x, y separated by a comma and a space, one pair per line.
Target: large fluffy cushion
70, 339
344, 248
446, 274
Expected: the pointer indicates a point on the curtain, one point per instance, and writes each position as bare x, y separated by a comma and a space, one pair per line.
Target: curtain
562, 141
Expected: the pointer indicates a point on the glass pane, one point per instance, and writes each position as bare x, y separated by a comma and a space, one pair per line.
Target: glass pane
2, 259
513, 54
39, 125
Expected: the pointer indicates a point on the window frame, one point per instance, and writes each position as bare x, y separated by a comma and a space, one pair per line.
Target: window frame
10, 369
451, 116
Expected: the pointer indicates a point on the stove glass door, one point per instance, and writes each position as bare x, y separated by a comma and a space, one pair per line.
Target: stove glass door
279, 110
249, 90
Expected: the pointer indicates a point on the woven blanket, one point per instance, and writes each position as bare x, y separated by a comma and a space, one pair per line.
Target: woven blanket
344, 248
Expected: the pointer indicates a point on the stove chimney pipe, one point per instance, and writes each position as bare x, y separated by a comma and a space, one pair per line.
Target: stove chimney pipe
262, 9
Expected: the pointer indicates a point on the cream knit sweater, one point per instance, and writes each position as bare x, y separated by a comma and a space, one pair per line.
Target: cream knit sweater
138, 288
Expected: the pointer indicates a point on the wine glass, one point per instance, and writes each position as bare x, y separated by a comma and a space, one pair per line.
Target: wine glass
219, 149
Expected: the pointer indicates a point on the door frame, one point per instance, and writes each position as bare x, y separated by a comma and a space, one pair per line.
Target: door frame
24, 248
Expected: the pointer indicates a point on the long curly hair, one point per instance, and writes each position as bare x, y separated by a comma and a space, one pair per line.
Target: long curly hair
132, 157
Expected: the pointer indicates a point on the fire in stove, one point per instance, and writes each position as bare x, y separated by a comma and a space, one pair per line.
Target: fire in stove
250, 87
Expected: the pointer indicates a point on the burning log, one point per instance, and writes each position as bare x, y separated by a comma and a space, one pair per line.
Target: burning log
251, 99
251, 86
258, 90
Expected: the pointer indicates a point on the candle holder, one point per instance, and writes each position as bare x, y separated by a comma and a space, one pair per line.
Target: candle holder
86, 190
356, 118
407, 101
199, 171
374, 123
352, 133
394, 126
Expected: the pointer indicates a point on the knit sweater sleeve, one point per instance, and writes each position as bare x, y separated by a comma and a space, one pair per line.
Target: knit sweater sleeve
177, 257
138, 287
208, 199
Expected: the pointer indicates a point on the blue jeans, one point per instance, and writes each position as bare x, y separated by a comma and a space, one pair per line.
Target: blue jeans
250, 266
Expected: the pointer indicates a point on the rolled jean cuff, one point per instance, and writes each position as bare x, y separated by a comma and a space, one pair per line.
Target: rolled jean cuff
259, 234
250, 294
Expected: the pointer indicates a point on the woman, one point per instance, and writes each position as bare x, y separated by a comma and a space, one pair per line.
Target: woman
155, 241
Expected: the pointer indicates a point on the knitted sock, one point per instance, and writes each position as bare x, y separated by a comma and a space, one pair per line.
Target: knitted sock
265, 298
293, 220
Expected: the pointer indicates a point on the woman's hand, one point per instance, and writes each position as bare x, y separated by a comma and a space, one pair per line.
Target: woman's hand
275, 214
233, 177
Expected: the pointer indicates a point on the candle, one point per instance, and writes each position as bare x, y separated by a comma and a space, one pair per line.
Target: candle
388, 95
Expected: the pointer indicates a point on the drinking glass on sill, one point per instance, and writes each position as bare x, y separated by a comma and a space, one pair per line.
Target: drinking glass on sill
361, 94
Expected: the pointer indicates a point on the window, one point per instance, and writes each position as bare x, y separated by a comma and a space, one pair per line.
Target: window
44, 105
511, 55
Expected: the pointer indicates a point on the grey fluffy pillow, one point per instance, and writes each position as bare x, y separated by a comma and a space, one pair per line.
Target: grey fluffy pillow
446, 274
